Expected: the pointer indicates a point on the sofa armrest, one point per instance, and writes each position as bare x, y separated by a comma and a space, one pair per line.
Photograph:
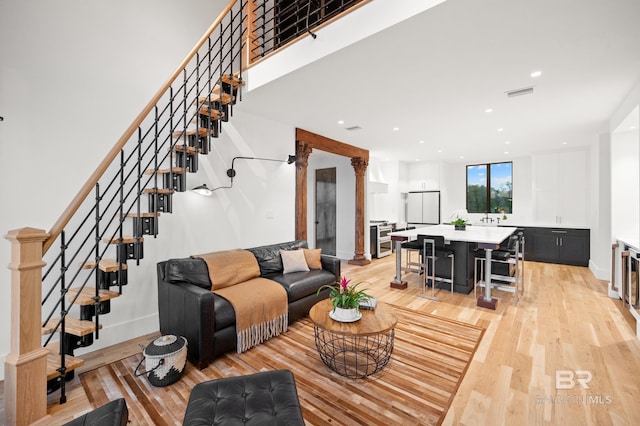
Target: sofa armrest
331, 264
188, 310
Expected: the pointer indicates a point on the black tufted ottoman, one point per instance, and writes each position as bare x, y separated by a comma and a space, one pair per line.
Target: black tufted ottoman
114, 413
266, 398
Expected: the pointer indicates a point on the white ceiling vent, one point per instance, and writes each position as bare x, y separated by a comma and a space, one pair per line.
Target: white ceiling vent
520, 92
353, 128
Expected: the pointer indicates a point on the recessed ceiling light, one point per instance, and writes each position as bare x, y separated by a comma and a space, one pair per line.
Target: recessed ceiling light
536, 74
417, 159
500, 129
462, 156
439, 150
395, 129
421, 142
564, 143
632, 127
340, 121
507, 142
488, 110
506, 152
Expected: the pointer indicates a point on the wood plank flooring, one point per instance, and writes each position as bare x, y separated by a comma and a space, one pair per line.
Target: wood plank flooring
564, 321
430, 357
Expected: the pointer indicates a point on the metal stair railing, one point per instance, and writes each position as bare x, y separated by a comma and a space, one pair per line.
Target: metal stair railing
118, 184
278, 23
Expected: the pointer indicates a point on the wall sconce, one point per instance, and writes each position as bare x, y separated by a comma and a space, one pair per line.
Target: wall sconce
232, 171
203, 190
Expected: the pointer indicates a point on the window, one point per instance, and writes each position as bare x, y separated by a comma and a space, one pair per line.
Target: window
490, 188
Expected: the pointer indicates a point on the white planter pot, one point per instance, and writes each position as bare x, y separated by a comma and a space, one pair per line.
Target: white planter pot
346, 315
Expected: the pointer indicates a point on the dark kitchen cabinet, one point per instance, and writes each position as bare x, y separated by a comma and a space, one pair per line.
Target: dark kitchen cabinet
560, 245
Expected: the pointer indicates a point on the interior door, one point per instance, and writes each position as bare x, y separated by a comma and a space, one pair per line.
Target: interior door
326, 210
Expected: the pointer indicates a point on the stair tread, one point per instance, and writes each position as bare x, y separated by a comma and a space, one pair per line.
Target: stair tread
189, 149
87, 294
158, 191
202, 131
215, 97
74, 326
143, 214
211, 112
53, 362
106, 265
176, 171
127, 239
233, 80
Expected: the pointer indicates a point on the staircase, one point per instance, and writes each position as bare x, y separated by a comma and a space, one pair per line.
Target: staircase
157, 186
66, 279
102, 234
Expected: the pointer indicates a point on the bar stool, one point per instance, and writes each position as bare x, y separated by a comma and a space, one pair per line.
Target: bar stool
433, 247
510, 256
411, 247
519, 255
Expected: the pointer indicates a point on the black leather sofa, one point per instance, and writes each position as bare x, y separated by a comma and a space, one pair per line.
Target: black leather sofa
188, 308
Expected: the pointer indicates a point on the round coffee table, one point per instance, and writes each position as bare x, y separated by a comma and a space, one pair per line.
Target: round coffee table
357, 349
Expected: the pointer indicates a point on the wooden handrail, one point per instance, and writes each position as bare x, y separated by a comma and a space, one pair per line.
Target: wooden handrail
89, 185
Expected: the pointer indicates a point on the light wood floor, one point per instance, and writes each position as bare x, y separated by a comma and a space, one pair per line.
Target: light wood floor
564, 321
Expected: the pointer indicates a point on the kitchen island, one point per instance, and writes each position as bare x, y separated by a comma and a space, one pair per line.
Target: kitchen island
463, 243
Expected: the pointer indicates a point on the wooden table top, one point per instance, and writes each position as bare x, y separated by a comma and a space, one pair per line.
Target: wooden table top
374, 321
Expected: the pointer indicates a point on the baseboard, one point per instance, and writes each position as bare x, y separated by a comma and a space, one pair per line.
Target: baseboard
603, 274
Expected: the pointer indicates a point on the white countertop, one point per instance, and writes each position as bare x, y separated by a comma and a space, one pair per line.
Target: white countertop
472, 234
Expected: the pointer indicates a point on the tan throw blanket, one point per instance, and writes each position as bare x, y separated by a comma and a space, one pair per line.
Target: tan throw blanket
260, 304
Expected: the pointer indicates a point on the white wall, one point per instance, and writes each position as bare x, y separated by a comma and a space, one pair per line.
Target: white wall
623, 168
600, 208
73, 76
383, 188
450, 180
625, 177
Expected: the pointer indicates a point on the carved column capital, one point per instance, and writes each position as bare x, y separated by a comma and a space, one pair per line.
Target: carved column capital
359, 165
303, 151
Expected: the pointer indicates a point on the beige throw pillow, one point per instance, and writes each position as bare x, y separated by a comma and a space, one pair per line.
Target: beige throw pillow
293, 261
313, 258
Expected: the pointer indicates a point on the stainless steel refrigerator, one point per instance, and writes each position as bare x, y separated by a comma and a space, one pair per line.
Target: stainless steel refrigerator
423, 208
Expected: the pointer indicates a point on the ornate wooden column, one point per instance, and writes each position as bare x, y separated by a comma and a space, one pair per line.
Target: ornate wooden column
25, 368
360, 168
303, 151
305, 141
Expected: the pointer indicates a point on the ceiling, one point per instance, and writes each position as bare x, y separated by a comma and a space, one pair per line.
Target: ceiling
434, 76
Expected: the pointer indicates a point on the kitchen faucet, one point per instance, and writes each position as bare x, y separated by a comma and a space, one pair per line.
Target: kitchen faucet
486, 218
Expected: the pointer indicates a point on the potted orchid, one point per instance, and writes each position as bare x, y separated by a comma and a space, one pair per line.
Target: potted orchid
346, 300
459, 219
